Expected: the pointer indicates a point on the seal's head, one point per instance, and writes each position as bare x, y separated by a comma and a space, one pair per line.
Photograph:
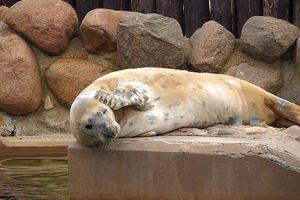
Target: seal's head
92, 122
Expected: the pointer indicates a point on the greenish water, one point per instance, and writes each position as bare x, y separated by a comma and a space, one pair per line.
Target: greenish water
34, 178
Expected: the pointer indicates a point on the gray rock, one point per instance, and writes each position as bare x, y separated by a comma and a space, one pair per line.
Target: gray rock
56, 119
150, 40
266, 77
212, 45
297, 54
7, 127
291, 91
267, 38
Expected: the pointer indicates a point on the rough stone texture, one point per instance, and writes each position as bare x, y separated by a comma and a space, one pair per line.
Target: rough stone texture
3, 11
267, 38
212, 46
290, 90
67, 77
257, 76
297, 54
54, 119
150, 40
49, 24
41, 122
75, 50
7, 127
256, 164
48, 103
239, 57
20, 85
98, 30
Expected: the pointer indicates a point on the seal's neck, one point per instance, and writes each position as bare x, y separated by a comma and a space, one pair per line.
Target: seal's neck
119, 115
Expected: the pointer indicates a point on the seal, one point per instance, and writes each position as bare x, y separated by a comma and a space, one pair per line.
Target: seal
152, 101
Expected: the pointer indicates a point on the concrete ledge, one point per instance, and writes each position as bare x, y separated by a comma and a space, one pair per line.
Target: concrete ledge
35, 145
186, 167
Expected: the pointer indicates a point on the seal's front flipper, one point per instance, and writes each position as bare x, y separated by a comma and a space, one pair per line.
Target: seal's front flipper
131, 93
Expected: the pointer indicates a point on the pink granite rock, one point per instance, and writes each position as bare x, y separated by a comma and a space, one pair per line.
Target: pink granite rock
20, 84
98, 30
67, 77
49, 24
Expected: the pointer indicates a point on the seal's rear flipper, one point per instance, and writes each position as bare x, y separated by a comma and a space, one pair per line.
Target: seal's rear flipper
284, 109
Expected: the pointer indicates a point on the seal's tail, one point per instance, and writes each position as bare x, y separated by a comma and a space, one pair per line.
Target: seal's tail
284, 108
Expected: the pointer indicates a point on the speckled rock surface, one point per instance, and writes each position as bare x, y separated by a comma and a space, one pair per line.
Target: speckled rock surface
3, 11
7, 127
67, 77
257, 75
98, 30
212, 45
267, 38
20, 84
150, 40
49, 24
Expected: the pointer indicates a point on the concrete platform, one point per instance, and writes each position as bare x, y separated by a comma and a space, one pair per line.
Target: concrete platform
35, 145
188, 167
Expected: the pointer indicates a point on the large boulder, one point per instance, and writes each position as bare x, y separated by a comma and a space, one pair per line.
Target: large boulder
267, 38
291, 92
3, 11
98, 30
238, 56
20, 84
257, 75
150, 40
212, 45
49, 24
291, 87
67, 77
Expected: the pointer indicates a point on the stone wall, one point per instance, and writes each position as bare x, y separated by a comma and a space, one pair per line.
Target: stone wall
47, 57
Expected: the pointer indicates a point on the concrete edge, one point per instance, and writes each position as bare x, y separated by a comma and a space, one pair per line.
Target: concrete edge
35, 145
273, 150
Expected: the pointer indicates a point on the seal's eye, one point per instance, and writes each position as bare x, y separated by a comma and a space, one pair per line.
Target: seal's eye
104, 111
88, 126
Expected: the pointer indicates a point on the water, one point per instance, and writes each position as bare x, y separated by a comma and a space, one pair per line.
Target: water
34, 178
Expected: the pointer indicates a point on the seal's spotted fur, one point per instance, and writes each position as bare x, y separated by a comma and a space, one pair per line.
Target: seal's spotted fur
150, 101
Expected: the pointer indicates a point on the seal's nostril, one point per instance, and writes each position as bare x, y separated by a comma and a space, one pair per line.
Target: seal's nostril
88, 126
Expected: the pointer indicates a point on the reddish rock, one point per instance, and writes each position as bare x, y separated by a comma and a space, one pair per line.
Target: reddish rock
98, 30
49, 24
20, 85
212, 45
67, 77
